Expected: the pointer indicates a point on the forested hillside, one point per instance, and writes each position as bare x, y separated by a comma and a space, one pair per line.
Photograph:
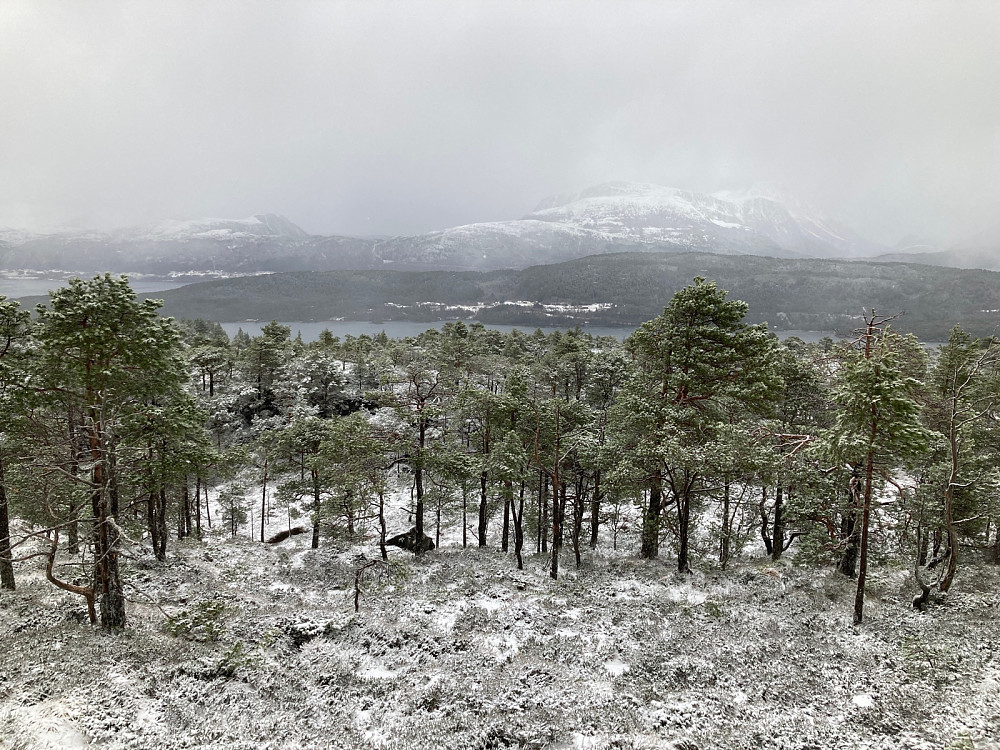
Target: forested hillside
623, 289
703, 536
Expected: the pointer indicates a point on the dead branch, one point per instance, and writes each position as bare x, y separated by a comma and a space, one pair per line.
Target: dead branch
87, 593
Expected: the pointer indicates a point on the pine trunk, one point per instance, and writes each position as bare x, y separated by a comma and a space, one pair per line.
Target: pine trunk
418, 474
683, 530
317, 507
465, 516
859, 598
152, 526
727, 528
482, 509
107, 578
650, 548
508, 493
949, 511
197, 505
6, 564
519, 529
778, 525
161, 521
595, 511
263, 508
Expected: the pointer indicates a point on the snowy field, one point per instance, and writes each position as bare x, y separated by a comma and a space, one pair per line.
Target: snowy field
263, 649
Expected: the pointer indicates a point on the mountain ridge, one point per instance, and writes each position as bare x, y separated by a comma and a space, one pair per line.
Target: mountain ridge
612, 217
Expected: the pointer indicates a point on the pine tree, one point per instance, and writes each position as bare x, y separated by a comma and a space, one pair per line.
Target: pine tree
694, 365
14, 324
877, 423
962, 394
108, 356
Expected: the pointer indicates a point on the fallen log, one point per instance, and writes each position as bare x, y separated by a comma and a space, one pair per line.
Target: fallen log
283, 535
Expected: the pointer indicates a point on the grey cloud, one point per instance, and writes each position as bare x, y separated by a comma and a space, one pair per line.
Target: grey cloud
404, 117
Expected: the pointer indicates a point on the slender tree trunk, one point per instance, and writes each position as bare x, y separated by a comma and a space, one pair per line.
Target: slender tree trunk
482, 509
180, 519
519, 529
381, 526
562, 513
949, 514
683, 528
112, 478
317, 507
197, 504
107, 578
6, 564
859, 598
349, 514
578, 503
595, 511
556, 529
161, 520
73, 531
263, 506
778, 526
922, 540
508, 496
850, 530
556, 518
437, 525
539, 525
650, 548
418, 475
465, 516
727, 528
543, 502
208, 508
186, 502
765, 522
152, 524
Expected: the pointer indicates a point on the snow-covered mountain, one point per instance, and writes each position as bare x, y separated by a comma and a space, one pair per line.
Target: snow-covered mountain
262, 225
500, 244
737, 221
265, 242
622, 216
613, 217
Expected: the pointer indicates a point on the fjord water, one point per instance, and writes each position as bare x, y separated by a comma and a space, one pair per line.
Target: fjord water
14, 286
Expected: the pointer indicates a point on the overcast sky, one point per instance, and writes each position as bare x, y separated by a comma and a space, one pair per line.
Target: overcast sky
401, 117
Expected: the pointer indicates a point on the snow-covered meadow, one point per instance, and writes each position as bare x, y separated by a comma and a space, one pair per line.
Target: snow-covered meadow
237, 644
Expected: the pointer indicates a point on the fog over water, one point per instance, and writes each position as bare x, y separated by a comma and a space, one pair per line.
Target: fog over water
383, 117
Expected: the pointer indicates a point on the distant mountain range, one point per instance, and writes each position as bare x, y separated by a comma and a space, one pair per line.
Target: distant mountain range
260, 243
610, 218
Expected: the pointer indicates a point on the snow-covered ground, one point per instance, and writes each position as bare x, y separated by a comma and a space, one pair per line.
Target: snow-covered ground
461, 650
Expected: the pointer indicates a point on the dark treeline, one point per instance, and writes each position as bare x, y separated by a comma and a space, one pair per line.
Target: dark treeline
698, 440
629, 288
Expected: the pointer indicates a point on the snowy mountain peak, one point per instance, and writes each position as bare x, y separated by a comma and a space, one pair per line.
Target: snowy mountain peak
763, 219
261, 225
608, 190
